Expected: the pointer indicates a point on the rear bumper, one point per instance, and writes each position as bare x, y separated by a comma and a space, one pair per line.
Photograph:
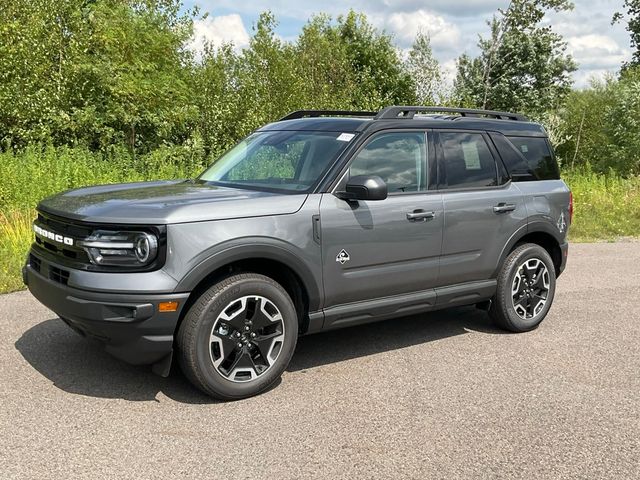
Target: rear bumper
129, 325
564, 249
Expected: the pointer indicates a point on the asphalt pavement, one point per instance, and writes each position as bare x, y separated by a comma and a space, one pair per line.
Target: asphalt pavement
443, 395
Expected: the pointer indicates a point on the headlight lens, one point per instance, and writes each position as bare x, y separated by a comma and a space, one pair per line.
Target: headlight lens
131, 249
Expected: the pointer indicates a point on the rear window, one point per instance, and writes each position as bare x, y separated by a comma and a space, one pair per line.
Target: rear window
527, 158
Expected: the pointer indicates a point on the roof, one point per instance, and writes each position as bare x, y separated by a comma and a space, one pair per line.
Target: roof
322, 124
409, 118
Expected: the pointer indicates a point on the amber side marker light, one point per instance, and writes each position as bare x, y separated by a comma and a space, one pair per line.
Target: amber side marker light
167, 306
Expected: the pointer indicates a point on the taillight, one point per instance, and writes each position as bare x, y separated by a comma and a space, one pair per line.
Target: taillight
570, 207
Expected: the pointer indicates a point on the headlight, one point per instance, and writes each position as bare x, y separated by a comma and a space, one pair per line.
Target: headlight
131, 249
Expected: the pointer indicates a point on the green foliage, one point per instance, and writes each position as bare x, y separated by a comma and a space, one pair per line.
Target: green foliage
27, 177
379, 73
130, 86
607, 207
600, 126
522, 66
15, 239
344, 63
425, 71
94, 73
632, 17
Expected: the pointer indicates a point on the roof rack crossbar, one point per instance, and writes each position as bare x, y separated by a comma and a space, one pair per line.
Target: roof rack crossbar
322, 113
409, 112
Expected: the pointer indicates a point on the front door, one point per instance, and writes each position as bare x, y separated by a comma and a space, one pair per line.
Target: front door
375, 249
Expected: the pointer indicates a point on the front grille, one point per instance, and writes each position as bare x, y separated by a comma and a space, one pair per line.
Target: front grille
72, 255
58, 275
63, 226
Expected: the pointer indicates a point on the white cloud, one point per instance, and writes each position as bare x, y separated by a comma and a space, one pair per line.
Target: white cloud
405, 26
218, 31
596, 51
449, 70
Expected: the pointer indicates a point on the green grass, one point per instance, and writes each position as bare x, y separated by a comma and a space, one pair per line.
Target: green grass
15, 238
607, 207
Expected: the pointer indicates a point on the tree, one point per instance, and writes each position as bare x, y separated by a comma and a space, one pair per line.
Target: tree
600, 125
633, 27
37, 45
341, 64
523, 66
94, 73
130, 84
425, 71
381, 78
324, 67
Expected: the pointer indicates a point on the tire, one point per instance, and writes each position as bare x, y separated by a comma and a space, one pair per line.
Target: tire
238, 337
526, 288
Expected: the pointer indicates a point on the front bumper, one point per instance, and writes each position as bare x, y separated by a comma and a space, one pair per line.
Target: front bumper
129, 325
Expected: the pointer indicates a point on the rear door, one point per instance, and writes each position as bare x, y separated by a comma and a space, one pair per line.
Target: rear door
374, 249
482, 207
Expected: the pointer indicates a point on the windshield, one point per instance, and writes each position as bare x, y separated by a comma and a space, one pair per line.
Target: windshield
290, 161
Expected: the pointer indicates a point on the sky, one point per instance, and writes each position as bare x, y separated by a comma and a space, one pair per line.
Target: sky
453, 26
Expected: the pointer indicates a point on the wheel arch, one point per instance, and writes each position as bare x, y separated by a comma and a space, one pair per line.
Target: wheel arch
275, 262
538, 233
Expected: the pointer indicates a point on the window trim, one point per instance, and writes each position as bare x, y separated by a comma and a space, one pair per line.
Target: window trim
442, 167
430, 159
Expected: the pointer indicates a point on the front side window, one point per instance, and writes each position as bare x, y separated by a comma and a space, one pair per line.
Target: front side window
287, 161
398, 158
468, 160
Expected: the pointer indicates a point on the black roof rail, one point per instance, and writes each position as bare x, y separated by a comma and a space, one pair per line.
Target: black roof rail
323, 113
409, 112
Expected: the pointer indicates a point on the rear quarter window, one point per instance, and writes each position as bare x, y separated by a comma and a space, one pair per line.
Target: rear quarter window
527, 158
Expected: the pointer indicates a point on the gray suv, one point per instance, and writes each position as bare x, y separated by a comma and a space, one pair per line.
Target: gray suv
322, 220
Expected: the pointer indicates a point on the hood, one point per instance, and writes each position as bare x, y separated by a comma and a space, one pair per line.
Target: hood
167, 202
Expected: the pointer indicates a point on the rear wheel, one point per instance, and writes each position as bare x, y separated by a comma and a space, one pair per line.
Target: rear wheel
238, 337
526, 287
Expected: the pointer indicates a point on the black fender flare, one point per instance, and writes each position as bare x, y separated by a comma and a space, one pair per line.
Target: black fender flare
257, 249
537, 226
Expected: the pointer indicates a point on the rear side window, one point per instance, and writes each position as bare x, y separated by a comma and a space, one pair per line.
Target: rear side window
468, 160
527, 158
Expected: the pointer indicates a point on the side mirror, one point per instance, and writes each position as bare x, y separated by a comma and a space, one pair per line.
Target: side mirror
364, 187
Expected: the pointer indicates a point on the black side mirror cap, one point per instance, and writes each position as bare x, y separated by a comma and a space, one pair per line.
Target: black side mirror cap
364, 187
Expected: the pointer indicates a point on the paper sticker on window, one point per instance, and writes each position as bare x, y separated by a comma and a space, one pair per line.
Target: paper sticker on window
524, 148
345, 137
471, 156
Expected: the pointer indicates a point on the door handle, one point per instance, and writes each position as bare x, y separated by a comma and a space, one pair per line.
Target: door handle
417, 215
504, 207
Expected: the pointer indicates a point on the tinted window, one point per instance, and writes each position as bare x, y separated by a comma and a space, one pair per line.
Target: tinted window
398, 158
468, 160
535, 161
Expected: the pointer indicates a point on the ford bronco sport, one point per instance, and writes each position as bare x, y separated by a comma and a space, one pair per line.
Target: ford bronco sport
321, 220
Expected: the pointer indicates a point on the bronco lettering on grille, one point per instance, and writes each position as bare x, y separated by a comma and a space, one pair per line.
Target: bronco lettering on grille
52, 236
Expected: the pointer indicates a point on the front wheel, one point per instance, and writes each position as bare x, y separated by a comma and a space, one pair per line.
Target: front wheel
238, 337
526, 287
